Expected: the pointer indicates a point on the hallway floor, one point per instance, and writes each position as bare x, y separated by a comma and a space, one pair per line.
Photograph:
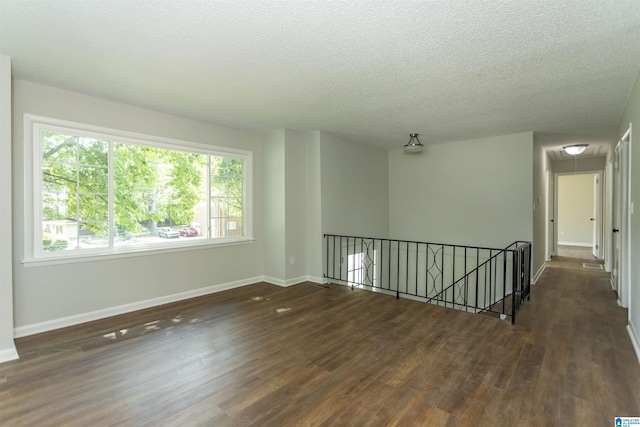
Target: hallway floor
582, 252
588, 360
307, 355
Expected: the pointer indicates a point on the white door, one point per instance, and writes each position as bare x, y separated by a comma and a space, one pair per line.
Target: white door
615, 223
596, 216
550, 216
621, 218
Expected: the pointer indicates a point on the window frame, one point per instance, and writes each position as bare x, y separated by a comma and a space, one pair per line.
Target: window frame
33, 254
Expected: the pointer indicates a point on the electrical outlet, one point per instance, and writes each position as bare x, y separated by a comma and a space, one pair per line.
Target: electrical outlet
292, 260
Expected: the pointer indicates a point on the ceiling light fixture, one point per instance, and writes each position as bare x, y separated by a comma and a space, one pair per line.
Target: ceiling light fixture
414, 145
576, 149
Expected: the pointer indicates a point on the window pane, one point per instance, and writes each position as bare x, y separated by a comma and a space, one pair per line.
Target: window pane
57, 148
54, 200
92, 152
93, 235
227, 197
93, 179
159, 194
92, 207
74, 189
97, 193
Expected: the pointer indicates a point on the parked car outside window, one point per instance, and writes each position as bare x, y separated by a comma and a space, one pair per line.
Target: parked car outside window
168, 233
189, 232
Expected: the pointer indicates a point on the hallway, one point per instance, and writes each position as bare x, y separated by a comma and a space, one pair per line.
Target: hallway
589, 361
263, 355
576, 252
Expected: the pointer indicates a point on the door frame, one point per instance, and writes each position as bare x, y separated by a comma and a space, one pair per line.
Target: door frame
621, 219
599, 221
598, 226
551, 247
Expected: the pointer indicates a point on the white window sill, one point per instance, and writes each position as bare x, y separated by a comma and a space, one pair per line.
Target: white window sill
129, 252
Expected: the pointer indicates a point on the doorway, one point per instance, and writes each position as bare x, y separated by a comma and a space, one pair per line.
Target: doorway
578, 226
620, 238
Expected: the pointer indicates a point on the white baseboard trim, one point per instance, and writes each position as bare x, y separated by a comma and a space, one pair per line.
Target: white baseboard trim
314, 279
635, 339
273, 281
9, 354
291, 282
295, 281
539, 273
64, 322
586, 245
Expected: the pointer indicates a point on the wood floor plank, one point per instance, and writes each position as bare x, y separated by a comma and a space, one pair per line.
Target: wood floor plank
307, 355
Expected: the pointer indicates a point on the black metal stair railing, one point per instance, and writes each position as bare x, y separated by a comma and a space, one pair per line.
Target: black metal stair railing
469, 278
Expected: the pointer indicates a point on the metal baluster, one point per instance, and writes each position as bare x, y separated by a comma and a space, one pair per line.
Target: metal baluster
342, 259
466, 277
389, 268
514, 278
426, 270
417, 250
477, 275
381, 264
442, 272
504, 282
406, 271
398, 272
529, 273
491, 290
453, 272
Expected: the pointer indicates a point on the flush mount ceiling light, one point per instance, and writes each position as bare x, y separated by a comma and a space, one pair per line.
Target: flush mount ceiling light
414, 145
576, 149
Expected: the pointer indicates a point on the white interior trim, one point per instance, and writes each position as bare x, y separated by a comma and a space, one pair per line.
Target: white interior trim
64, 322
142, 251
32, 127
77, 319
7, 345
292, 282
635, 339
538, 274
9, 354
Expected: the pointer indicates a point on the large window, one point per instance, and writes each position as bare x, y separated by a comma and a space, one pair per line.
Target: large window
101, 191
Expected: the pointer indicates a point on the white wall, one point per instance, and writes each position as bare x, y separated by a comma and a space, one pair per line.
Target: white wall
274, 207
575, 209
7, 347
541, 164
475, 192
46, 294
295, 206
285, 185
354, 188
315, 254
632, 115
588, 164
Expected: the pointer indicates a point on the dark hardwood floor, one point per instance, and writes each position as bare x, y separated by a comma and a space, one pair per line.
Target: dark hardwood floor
582, 252
309, 356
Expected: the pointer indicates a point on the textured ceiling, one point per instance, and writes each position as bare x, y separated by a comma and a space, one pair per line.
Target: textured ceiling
371, 71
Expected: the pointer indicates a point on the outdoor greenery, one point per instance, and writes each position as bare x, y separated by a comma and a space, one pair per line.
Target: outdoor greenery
152, 187
226, 183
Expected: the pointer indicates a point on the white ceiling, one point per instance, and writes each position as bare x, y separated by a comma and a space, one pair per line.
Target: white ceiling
371, 71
